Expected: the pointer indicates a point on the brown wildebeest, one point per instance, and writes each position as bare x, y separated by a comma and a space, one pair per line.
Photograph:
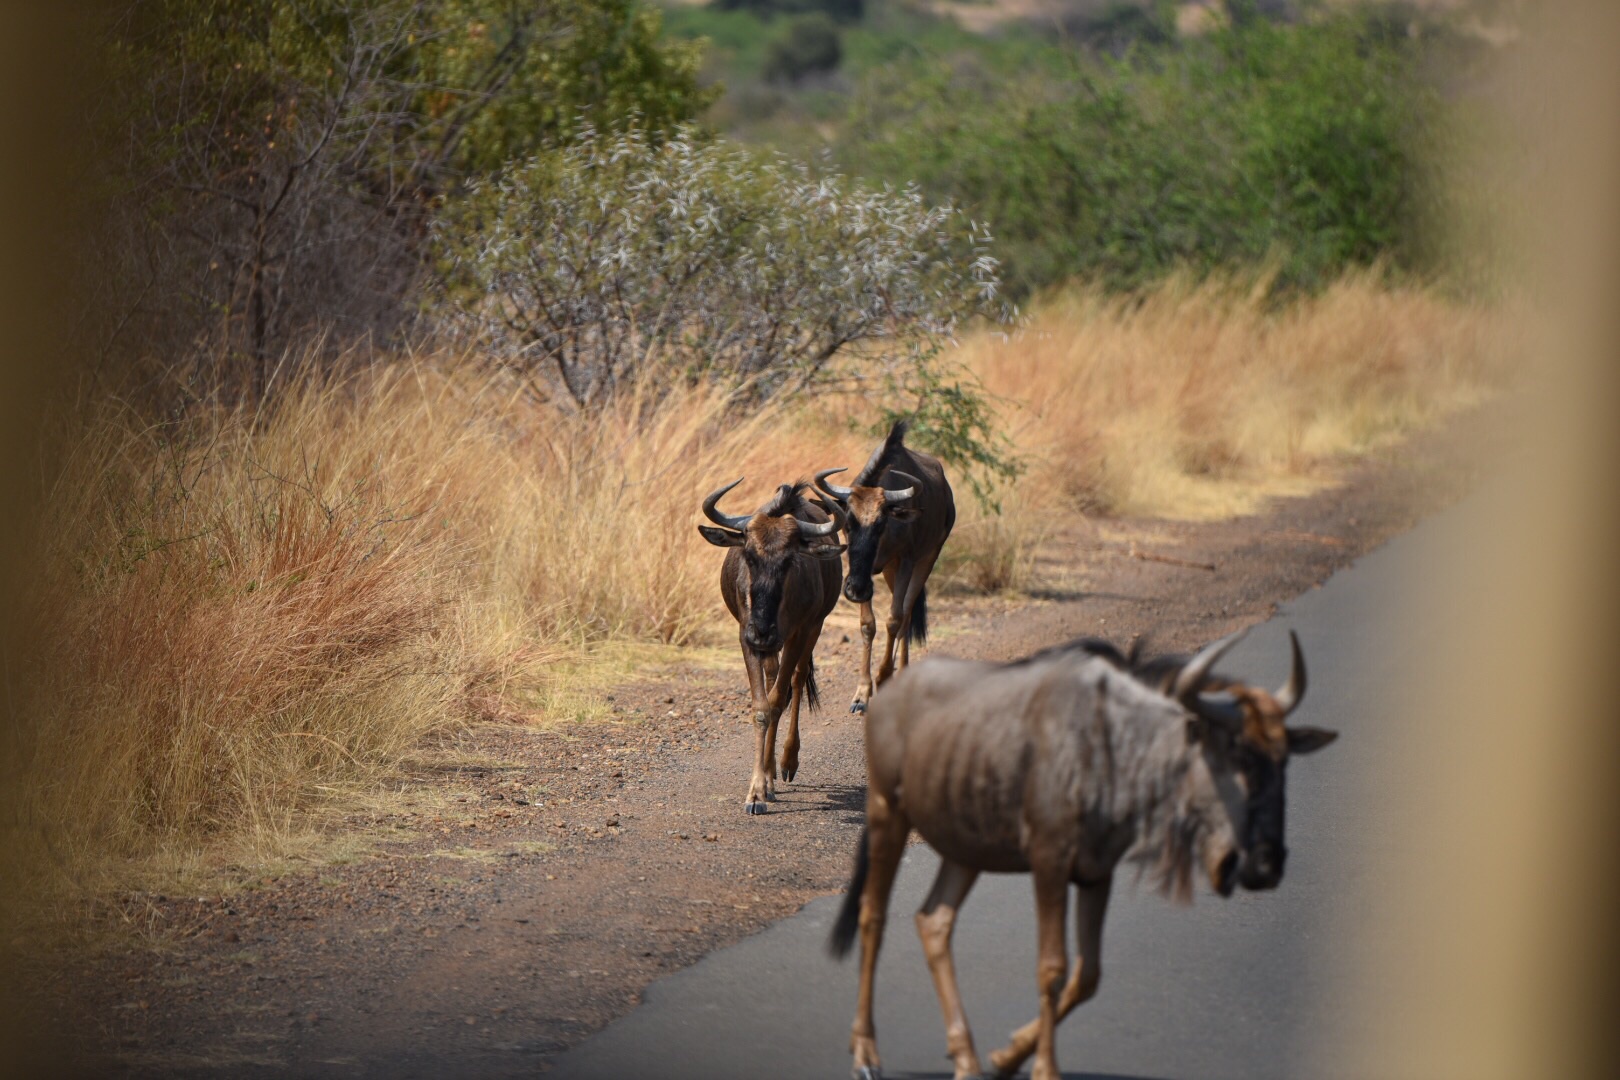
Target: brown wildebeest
1061, 766
779, 580
897, 518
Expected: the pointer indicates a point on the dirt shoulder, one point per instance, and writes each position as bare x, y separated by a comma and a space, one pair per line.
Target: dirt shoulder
527, 886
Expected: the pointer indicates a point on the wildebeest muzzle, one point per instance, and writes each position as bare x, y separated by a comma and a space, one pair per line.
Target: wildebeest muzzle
762, 639
1263, 867
858, 590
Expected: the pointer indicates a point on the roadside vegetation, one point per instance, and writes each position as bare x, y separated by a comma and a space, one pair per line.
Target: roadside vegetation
417, 348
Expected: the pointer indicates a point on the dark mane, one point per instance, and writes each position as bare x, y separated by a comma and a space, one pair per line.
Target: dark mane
883, 456
1098, 647
789, 499
1158, 672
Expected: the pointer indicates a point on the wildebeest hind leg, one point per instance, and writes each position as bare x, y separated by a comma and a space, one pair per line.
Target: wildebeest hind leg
899, 584
915, 584
1091, 905
887, 829
1051, 903
935, 921
801, 673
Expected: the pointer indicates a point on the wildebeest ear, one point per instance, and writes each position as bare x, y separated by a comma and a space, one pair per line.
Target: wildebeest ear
721, 537
827, 551
1308, 740
1197, 728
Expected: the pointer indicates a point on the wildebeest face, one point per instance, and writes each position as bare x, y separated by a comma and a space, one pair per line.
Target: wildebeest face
1250, 743
769, 539
870, 513
1216, 809
1262, 755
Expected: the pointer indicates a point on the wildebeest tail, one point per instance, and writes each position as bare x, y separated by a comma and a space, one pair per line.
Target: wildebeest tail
849, 916
917, 630
812, 694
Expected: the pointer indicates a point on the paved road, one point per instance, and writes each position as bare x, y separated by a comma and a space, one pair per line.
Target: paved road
1221, 989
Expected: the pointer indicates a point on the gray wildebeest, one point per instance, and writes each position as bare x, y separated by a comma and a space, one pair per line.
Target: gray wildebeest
1062, 765
779, 580
898, 515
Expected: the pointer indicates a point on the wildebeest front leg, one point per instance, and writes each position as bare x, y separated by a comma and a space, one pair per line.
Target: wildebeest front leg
863, 691
1091, 905
759, 690
886, 831
1051, 904
772, 673
899, 584
801, 673
935, 922
778, 690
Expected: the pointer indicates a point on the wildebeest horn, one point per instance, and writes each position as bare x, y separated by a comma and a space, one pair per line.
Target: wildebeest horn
1291, 693
738, 523
869, 471
1192, 676
834, 511
900, 495
816, 528
839, 493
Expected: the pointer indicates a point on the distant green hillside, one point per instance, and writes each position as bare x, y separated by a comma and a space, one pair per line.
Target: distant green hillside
1296, 137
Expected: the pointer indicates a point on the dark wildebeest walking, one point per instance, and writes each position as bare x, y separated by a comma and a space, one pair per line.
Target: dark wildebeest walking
779, 580
897, 517
1061, 765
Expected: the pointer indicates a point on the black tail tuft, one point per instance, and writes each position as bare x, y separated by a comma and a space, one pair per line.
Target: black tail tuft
917, 629
849, 916
812, 693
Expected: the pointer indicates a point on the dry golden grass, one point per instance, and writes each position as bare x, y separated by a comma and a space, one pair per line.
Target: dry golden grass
239, 617
1195, 402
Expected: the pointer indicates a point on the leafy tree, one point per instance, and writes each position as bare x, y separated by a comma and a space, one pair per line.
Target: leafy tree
279, 160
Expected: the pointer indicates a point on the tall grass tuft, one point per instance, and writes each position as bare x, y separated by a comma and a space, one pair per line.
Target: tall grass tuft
1198, 401
239, 614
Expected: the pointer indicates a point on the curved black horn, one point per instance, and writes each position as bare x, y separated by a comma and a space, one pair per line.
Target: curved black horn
839, 493
737, 523
900, 495
1291, 693
869, 471
1192, 676
816, 528
834, 511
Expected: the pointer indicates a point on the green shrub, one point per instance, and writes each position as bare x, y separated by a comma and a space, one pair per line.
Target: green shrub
1297, 146
809, 46
271, 164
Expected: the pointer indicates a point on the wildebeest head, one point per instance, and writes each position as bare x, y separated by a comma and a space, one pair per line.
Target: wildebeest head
871, 511
1246, 748
769, 538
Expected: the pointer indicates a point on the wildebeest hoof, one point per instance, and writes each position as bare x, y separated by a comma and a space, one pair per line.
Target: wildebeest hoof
753, 807
868, 1072
857, 707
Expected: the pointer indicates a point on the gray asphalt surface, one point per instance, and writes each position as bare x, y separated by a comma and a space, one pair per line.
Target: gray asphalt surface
1234, 988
